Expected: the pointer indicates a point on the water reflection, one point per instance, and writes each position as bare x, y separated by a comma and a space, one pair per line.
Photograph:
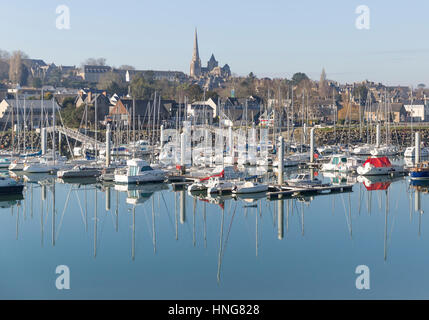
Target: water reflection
221, 231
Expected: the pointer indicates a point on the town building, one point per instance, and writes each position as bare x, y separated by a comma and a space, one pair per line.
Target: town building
418, 111
33, 110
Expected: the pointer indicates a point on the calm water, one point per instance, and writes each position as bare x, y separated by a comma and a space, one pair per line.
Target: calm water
155, 243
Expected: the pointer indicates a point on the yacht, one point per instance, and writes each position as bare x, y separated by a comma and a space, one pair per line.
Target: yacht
79, 172
250, 187
376, 166
47, 163
341, 163
138, 171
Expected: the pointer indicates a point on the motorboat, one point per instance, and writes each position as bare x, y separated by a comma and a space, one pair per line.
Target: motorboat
47, 163
374, 166
198, 186
218, 185
138, 171
341, 163
304, 180
228, 172
10, 186
420, 171
250, 187
79, 172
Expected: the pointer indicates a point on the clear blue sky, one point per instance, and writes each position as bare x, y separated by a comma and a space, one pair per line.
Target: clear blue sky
269, 38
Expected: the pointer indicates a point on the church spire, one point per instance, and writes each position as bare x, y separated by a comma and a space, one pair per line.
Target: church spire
195, 70
196, 55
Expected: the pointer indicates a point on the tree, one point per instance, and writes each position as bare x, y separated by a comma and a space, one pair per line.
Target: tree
212, 95
15, 68
126, 67
113, 83
194, 92
94, 62
298, 77
140, 88
323, 86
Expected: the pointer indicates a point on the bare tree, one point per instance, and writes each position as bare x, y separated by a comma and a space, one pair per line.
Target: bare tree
15, 67
94, 62
323, 87
126, 67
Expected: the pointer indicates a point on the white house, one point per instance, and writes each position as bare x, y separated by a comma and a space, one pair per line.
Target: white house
209, 104
418, 111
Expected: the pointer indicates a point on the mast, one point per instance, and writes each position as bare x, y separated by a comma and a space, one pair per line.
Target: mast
95, 126
53, 130
24, 124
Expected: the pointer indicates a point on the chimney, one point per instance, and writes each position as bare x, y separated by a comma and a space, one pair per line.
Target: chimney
89, 96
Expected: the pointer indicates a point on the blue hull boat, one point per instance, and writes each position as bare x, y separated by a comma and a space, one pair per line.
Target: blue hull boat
420, 171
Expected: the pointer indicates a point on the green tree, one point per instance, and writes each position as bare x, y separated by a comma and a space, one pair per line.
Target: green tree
194, 92
140, 88
298, 77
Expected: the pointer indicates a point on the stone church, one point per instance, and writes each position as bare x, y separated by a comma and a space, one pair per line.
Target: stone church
212, 69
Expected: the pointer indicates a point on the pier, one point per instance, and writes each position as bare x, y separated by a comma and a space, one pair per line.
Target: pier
281, 192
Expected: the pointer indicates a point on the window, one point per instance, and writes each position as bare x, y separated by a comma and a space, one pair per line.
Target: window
146, 168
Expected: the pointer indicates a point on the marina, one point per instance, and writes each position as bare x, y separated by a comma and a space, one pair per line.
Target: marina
180, 152
148, 228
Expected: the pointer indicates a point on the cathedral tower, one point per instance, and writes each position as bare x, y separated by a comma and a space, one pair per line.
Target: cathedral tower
196, 61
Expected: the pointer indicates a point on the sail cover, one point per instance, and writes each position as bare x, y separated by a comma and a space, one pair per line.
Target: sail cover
379, 162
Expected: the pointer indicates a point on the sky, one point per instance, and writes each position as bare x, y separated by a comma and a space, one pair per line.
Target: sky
269, 38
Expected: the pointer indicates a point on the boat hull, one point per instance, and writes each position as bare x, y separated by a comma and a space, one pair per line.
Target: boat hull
422, 175
154, 177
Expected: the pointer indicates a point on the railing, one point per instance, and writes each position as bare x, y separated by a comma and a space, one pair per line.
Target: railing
76, 135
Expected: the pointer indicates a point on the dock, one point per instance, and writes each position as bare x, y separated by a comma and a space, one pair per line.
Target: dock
278, 192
